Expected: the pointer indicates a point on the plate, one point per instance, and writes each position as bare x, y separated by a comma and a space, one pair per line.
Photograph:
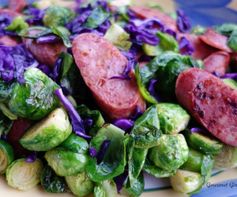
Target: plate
222, 183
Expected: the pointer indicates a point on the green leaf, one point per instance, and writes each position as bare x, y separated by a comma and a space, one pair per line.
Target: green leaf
17, 25
96, 18
63, 33
167, 43
105, 189
226, 29
7, 112
232, 41
57, 16
114, 160
152, 169
35, 32
146, 130
142, 88
136, 160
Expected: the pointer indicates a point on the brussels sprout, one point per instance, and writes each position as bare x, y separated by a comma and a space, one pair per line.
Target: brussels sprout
57, 16
146, 130
186, 181
194, 162
6, 156
80, 184
152, 169
105, 189
134, 187
203, 143
48, 133
51, 182
170, 153
232, 41
118, 36
167, 43
136, 160
35, 98
5, 91
231, 83
17, 25
65, 162
227, 158
75, 144
7, 112
173, 118
114, 156
23, 175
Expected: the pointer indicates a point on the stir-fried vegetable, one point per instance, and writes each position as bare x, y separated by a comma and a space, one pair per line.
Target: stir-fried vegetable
24, 175
80, 184
48, 133
6, 156
105, 189
35, 98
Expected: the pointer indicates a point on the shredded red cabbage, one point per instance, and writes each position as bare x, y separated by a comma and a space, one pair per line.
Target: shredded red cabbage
171, 32
5, 20
120, 180
136, 114
103, 148
34, 16
185, 47
14, 61
144, 31
48, 39
124, 124
31, 158
152, 89
92, 152
230, 76
76, 121
183, 22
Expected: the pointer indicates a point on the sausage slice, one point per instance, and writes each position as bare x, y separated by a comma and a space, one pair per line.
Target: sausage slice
210, 102
8, 41
216, 40
99, 61
217, 62
144, 13
17, 5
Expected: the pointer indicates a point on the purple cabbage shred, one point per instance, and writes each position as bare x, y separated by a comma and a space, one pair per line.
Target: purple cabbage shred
31, 158
14, 61
171, 32
229, 76
144, 31
92, 152
152, 89
35, 16
103, 148
185, 47
5, 20
120, 180
48, 39
76, 121
183, 22
124, 124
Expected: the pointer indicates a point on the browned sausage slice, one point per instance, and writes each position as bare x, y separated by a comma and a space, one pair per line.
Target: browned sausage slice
45, 53
144, 13
8, 41
201, 49
217, 62
17, 5
210, 102
99, 61
216, 40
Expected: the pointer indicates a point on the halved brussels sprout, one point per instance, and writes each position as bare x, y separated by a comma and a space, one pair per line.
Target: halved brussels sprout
186, 181
75, 144
173, 118
23, 175
105, 189
170, 153
65, 162
80, 184
227, 158
6, 156
48, 133
35, 98
231, 83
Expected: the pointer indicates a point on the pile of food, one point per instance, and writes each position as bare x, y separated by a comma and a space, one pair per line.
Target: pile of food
94, 94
